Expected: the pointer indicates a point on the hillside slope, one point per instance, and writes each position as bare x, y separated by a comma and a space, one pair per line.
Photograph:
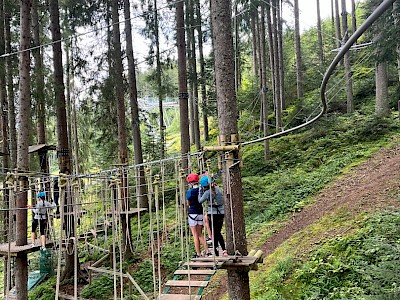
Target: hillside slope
373, 185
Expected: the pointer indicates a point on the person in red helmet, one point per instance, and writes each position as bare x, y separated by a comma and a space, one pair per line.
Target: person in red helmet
195, 214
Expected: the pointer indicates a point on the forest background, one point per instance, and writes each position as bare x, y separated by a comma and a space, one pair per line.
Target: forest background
363, 96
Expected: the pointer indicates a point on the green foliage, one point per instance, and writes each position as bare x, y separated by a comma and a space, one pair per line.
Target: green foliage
100, 288
144, 275
45, 291
303, 163
362, 265
355, 267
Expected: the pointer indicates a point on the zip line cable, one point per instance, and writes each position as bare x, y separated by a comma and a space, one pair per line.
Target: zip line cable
353, 38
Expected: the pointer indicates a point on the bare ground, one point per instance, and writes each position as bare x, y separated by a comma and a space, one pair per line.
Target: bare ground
375, 184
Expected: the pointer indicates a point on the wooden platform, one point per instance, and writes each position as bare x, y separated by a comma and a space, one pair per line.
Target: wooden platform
15, 250
230, 262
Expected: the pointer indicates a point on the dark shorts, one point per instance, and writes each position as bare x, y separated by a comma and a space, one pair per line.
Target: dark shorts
42, 223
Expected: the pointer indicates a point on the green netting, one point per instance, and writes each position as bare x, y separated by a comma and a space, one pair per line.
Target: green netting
46, 263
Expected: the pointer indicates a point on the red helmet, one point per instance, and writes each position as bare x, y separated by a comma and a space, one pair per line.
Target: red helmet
192, 178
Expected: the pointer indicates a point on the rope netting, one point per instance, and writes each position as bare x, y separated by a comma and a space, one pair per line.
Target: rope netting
92, 209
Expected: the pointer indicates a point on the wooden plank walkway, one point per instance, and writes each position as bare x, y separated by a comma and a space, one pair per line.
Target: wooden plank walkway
197, 273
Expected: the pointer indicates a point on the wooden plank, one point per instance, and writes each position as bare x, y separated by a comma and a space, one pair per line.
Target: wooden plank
179, 297
203, 264
187, 283
244, 259
14, 250
194, 272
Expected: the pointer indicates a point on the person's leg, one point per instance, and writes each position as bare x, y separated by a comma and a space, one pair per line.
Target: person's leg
34, 227
218, 222
211, 221
207, 225
199, 230
195, 239
42, 233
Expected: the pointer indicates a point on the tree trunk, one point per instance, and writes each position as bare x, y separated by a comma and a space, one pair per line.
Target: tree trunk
62, 133
353, 16
319, 30
136, 137
271, 50
39, 91
254, 41
299, 64
349, 81
277, 78
263, 55
396, 17
238, 281
194, 81
333, 14
182, 78
21, 266
202, 71
159, 86
238, 76
337, 24
281, 64
381, 82
10, 88
68, 97
122, 139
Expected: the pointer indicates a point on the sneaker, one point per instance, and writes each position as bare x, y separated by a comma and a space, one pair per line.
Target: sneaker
224, 253
208, 254
43, 248
33, 245
209, 240
196, 256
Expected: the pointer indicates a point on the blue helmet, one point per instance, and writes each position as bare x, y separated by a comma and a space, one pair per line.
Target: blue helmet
41, 194
205, 181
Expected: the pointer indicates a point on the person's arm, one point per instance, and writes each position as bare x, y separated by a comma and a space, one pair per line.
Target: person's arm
49, 205
205, 196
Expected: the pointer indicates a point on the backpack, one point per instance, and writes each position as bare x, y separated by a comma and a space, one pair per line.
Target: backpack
41, 209
217, 198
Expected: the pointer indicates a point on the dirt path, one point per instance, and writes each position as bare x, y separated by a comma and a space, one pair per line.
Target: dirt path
373, 184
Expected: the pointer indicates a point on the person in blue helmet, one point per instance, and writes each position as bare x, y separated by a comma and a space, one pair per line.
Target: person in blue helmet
195, 214
211, 193
40, 218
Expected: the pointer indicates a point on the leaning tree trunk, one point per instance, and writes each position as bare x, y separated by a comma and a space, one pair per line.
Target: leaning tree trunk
136, 138
299, 64
277, 78
21, 267
182, 79
122, 139
64, 158
238, 280
349, 81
